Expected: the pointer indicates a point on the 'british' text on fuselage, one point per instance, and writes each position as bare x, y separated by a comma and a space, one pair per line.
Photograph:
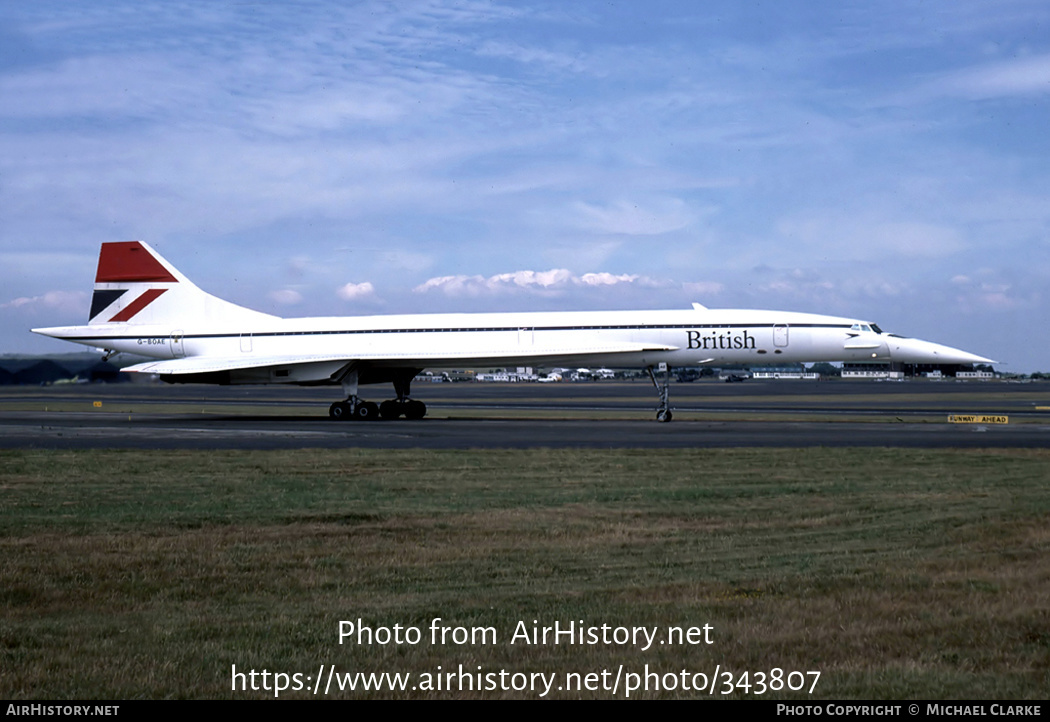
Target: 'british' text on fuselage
720, 340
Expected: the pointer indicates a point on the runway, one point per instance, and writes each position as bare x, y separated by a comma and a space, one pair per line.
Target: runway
788, 414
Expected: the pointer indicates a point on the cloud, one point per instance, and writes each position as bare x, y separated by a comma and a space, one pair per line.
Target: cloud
286, 297
547, 60
525, 279
605, 279
633, 219
67, 301
1017, 77
989, 290
356, 291
552, 282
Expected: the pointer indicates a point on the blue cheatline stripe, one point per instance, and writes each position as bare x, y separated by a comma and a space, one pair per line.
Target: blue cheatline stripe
348, 332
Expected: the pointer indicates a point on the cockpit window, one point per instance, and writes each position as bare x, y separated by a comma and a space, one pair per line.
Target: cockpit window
876, 329
866, 327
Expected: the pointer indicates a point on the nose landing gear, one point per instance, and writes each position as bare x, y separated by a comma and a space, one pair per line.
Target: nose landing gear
663, 411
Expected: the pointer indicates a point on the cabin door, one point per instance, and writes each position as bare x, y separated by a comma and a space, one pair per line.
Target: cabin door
780, 335
177, 349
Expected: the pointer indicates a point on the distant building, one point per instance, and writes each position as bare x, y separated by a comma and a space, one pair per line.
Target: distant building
982, 375
795, 372
870, 371
501, 376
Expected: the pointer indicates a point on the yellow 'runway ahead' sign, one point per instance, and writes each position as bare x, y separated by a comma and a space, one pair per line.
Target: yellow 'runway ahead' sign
977, 419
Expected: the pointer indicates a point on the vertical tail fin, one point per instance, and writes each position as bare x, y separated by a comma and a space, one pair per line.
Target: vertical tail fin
135, 284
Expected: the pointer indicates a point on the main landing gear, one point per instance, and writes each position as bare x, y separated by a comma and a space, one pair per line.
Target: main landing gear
357, 409
354, 408
409, 408
663, 411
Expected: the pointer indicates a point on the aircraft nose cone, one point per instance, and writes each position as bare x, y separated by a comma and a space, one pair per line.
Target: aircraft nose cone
917, 351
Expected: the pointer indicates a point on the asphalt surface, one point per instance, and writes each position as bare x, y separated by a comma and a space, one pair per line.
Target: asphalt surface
464, 416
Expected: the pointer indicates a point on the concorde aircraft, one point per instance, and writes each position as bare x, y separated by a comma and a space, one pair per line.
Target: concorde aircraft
143, 305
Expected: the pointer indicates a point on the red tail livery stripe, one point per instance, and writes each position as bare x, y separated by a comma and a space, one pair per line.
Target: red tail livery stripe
129, 262
138, 304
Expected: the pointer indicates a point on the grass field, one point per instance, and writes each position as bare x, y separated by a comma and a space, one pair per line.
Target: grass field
894, 573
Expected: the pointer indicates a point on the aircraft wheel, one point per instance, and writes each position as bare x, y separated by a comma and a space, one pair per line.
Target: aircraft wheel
390, 410
339, 411
415, 409
366, 411
663, 416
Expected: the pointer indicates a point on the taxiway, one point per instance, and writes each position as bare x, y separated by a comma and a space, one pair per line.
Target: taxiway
596, 415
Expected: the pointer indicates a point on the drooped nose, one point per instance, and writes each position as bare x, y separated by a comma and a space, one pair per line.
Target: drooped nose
917, 351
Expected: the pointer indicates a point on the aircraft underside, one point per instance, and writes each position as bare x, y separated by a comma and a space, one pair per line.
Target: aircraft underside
356, 408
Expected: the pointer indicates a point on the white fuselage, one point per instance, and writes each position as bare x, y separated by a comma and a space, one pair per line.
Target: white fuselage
609, 338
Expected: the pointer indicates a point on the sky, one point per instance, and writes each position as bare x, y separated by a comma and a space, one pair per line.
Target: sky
887, 161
